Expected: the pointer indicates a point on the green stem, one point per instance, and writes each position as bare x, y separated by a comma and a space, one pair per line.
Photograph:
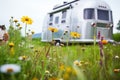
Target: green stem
94, 36
94, 55
25, 33
25, 29
52, 36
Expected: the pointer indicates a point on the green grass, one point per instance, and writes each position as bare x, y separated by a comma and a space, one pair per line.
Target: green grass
43, 61
45, 57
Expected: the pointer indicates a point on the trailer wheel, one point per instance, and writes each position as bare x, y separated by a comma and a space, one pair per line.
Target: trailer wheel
57, 42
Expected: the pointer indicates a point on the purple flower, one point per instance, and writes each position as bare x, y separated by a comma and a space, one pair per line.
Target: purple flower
100, 44
98, 35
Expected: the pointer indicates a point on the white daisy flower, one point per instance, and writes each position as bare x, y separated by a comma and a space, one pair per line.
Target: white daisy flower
117, 57
47, 72
10, 68
77, 63
61, 79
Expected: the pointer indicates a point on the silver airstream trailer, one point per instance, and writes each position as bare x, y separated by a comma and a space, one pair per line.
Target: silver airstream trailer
89, 18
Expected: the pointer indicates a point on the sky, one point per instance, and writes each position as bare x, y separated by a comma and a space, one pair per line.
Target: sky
37, 10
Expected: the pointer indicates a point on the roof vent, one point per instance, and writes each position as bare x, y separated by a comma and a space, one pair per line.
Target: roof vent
64, 2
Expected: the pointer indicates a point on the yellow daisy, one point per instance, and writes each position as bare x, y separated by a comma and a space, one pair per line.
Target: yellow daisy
11, 44
53, 78
62, 67
75, 35
52, 29
27, 20
35, 78
68, 69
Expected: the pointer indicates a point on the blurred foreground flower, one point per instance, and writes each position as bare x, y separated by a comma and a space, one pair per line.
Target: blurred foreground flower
24, 58
52, 29
27, 20
32, 32
15, 20
116, 57
35, 78
47, 72
17, 25
76, 62
75, 35
20, 27
53, 78
62, 67
10, 68
83, 49
80, 63
116, 70
69, 73
11, 45
68, 69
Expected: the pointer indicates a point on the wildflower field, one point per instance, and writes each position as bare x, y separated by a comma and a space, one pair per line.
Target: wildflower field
24, 58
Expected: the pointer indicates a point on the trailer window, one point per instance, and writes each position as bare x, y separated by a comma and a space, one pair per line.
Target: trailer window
64, 14
89, 13
103, 15
51, 17
56, 20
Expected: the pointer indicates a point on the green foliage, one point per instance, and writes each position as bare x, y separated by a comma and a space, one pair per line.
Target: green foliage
116, 36
118, 25
14, 34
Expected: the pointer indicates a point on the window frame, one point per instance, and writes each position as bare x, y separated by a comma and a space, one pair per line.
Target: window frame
86, 14
106, 17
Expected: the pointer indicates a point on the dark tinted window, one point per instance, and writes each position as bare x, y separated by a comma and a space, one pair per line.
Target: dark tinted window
51, 17
89, 14
56, 20
103, 15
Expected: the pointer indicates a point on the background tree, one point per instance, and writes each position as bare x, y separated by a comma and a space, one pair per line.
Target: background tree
116, 36
118, 26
